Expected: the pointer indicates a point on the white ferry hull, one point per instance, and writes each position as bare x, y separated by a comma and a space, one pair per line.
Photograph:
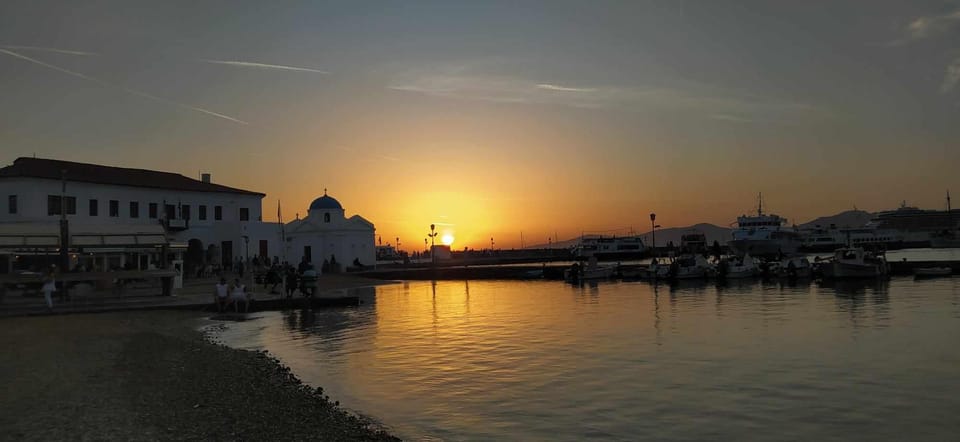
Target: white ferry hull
763, 247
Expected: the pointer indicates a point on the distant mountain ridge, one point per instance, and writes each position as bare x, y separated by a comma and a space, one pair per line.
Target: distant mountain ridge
849, 218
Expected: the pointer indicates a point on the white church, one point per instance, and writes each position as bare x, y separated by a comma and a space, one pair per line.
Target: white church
326, 234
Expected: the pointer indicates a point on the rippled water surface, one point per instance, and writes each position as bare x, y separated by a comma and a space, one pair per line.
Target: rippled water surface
485, 360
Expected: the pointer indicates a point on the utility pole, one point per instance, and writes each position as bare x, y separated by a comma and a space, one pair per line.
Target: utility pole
64, 233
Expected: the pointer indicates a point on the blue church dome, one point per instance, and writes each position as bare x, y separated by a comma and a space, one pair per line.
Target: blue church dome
325, 202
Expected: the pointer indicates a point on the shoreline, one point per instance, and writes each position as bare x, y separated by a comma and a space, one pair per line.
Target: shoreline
155, 376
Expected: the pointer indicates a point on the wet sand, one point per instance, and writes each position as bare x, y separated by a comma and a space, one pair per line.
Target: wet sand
152, 376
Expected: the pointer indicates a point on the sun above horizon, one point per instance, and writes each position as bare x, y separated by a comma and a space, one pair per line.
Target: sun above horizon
446, 239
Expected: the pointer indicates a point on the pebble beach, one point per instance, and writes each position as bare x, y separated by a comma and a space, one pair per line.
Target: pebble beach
154, 376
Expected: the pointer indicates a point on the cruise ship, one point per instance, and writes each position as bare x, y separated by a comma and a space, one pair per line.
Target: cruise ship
764, 235
609, 248
918, 226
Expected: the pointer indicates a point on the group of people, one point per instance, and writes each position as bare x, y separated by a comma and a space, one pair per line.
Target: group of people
233, 294
302, 278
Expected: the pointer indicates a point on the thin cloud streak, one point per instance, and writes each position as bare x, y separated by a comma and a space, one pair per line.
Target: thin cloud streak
53, 50
458, 84
125, 89
250, 64
553, 87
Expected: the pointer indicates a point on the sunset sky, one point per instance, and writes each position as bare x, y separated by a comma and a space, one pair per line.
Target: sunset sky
490, 118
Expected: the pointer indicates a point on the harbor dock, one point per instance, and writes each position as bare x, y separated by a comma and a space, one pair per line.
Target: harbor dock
196, 295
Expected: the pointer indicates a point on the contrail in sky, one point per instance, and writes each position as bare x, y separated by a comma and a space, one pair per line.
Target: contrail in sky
54, 50
125, 89
250, 64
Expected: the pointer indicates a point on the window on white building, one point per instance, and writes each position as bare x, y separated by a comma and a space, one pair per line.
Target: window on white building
12, 204
54, 202
152, 210
134, 209
244, 214
114, 208
217, 213
202, 213
94, 208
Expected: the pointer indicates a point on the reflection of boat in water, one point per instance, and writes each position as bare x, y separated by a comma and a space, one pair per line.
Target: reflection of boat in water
854, 262
737, 267
763, 235
609, 247
931, 272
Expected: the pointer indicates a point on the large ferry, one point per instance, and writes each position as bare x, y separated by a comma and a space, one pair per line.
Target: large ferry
609, 247
763, 235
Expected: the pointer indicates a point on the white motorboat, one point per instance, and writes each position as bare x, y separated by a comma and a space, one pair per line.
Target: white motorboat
737, 267
764, 235
791, 267
589, 270
855, 262
688, 266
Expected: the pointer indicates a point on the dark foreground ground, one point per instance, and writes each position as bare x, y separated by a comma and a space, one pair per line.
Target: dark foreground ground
151, 376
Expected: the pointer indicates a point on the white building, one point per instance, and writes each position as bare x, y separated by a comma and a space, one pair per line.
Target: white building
326, 233
218, 223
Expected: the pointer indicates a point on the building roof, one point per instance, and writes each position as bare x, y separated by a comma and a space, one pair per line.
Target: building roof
325, 202
26, 167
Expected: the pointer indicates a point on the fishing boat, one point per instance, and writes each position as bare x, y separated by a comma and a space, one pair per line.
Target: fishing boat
854, 262
928, 272
764, 235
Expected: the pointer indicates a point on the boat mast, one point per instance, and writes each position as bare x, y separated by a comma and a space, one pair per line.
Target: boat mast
948, 201
760, 204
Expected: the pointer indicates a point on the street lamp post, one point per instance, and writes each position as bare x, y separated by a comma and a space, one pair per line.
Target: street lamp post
398, 245
653, 233
432, 235
246, 250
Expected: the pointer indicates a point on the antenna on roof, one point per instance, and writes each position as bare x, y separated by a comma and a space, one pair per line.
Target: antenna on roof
948, 200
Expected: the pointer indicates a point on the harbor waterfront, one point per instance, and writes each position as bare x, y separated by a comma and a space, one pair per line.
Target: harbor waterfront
533, 360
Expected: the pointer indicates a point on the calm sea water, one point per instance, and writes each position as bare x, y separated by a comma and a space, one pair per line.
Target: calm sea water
492, 360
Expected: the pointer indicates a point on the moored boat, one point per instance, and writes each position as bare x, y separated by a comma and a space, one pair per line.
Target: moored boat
855, 262
737, 267
921, 272
791, 267
589, 270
